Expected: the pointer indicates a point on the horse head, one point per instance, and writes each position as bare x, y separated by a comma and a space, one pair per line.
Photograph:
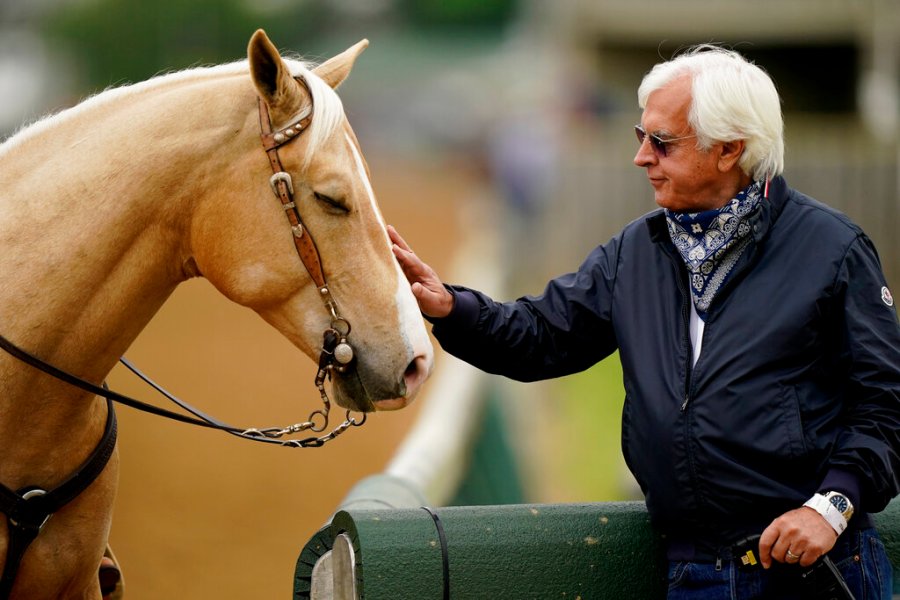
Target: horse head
243, 244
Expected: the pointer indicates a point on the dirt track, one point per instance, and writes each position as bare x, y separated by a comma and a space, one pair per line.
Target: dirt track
201, 514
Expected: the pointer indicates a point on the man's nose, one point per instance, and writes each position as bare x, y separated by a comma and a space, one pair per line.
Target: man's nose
645, 155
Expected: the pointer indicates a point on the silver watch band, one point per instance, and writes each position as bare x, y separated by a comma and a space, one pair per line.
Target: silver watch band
824, 507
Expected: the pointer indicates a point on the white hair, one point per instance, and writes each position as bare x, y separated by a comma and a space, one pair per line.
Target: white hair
328, 110
731, 99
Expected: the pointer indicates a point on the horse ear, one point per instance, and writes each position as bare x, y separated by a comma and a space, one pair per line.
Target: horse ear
336, 69
270, 75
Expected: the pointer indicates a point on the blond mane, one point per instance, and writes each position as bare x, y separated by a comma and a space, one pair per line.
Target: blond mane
328, 111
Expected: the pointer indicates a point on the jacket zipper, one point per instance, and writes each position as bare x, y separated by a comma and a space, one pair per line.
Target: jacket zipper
686, 312
686, 320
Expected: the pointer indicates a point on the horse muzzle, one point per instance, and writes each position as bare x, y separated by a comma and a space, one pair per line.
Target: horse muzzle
364, 387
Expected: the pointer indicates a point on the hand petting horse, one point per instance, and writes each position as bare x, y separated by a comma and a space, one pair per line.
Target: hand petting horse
108, 206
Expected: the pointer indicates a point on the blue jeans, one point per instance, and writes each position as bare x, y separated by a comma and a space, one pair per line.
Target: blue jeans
861, 559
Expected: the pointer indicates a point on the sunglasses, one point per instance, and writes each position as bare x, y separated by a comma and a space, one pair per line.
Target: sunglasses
657, 143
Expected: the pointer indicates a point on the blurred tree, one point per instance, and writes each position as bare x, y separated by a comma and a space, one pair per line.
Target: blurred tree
454, 14
119, 41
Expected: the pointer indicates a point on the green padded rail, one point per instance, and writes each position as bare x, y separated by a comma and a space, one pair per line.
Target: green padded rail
566, 551
520, 551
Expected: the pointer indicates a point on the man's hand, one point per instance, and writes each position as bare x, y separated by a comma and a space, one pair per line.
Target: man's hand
799, 536
433, 298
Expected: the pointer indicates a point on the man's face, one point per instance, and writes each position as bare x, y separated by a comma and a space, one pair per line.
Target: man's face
685, 179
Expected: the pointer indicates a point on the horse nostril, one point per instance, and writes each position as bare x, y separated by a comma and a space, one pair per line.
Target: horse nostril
411, 369
415, 375
404, 391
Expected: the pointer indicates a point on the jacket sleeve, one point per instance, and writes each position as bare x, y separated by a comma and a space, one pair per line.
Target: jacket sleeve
869, 445
566, 329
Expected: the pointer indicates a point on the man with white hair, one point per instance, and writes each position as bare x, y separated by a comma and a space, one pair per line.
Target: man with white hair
759, 343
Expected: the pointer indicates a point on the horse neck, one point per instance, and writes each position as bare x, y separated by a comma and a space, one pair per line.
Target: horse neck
94, 225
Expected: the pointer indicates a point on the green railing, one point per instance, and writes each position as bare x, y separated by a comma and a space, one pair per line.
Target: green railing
569, 551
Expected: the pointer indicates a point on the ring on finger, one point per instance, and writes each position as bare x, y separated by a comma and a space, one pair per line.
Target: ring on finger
791, 557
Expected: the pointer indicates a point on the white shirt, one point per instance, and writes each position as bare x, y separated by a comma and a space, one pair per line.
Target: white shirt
696, 328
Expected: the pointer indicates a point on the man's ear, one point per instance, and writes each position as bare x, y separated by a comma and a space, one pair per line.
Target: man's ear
730, 154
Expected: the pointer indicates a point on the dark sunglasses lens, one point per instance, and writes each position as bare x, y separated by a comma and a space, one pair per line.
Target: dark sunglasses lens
659, 146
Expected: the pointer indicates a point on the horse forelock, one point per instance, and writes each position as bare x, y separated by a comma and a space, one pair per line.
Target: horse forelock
328, 110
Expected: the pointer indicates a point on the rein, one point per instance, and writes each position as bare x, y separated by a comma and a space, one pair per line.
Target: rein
269, 435
336, 354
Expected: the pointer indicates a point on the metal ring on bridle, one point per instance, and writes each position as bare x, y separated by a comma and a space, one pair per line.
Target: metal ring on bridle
352, 420
312, 418
341, 325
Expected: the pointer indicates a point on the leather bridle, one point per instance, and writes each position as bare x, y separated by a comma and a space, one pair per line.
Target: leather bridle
336, 353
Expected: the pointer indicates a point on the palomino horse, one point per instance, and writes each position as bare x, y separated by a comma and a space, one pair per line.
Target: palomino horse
108, 206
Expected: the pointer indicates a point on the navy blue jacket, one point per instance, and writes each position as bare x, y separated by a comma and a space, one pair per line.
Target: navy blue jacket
797, 388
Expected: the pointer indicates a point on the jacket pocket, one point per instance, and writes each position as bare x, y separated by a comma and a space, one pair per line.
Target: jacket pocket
792, 418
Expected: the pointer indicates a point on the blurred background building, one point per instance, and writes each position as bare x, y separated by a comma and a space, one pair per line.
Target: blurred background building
540, 95
507, 116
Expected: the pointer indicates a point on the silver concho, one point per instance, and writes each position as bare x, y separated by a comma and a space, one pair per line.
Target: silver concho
343, 353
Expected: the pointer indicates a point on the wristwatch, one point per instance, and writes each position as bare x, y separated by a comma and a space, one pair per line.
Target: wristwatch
835, 507
842, 503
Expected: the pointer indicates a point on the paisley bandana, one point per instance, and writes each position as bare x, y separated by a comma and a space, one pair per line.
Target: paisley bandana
712, 241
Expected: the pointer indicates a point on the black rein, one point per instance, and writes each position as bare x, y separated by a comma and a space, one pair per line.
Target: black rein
200, 418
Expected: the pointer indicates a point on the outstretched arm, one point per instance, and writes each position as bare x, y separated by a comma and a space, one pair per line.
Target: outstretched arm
433, 298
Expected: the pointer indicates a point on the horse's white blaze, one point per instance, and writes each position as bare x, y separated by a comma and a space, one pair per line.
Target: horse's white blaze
411, 323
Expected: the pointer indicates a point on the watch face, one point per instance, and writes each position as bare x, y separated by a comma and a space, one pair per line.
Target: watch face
840, 503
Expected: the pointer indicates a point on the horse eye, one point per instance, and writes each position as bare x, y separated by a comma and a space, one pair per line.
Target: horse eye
331, 202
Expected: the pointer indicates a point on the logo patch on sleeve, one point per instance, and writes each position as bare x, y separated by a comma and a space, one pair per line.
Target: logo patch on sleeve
886, 296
